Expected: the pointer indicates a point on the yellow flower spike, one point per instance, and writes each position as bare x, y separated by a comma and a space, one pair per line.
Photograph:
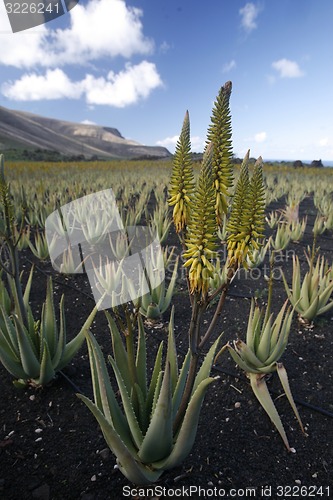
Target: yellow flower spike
182, 178
219, 133
201, 242
246, 223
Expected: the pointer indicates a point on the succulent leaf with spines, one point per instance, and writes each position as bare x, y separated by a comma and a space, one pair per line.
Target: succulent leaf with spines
182, 178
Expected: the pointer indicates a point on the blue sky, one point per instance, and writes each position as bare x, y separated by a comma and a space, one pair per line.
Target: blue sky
138, 65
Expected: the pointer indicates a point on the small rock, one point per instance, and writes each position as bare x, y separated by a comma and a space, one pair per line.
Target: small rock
42, 492
298, 481
237, 405
105, 453
93, 478
38, 431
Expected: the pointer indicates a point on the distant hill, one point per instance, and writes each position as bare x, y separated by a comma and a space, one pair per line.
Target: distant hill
22, 130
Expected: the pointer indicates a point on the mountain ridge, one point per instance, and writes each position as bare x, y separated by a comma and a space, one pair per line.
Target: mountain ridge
29, 130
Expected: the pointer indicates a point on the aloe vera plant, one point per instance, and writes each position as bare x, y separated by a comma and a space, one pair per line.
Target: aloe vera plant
154, 303
142, 435
259, 355
310, 297
35, 352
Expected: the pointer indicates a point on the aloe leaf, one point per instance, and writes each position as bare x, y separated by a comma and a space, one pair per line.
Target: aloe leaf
206, 366
260, 390
104, 396
74, 345
247, 355
186, 435
157, 443
153, 311
47, 372
168, 295
326, 308
325, 295
146, 300
48, 324
282, 373
179, 389
127, 461
154, 378
30, 363
141, 359
119, 352
26, 295
128, 408
61, 341
172, 352
296, 282
304, 302
262, 351
276, 328
156, 392
312, 311
142, 416
12, 366
240, 362
282, 341
8, 336
288, 292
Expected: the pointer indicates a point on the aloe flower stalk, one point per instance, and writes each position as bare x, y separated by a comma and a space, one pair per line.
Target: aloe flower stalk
182, 178
246, 223
201, 239
219, 133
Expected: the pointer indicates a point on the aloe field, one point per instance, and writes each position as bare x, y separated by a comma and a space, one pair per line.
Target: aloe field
218, 377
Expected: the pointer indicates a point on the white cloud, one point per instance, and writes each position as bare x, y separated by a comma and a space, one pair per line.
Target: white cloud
287, 68
249, 14
168, 141
324, 142
88, 122
260, 137
229, 66
119, 90
55, 84
197, 144
124, 88
100, 28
